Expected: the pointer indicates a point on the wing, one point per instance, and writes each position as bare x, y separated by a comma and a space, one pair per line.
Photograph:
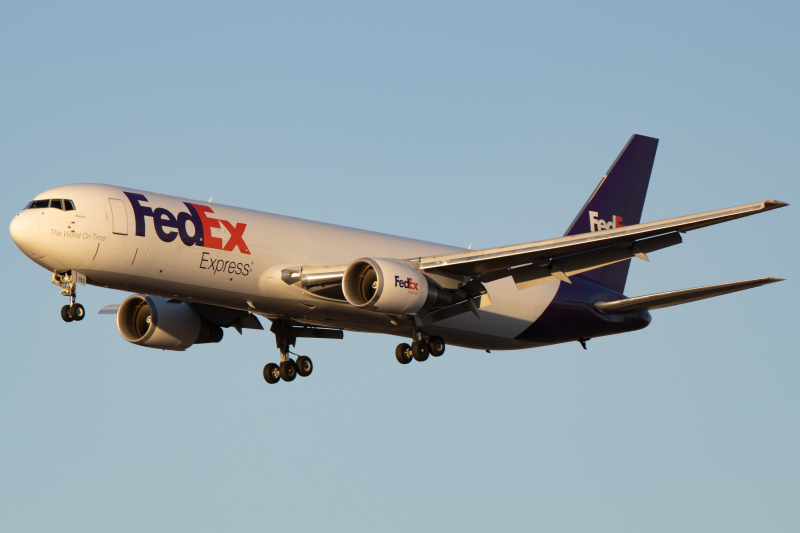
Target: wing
668, 299
543, 261
463, 274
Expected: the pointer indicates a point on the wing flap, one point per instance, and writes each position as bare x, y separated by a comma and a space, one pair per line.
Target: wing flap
668, 299
562, 268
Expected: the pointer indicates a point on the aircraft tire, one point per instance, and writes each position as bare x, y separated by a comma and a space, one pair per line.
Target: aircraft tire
420, 350
65, 316
304, 366
403, 353
437, 345
272, 373
288, 370
77, 312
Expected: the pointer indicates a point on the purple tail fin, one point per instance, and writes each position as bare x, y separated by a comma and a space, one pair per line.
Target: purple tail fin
618, 201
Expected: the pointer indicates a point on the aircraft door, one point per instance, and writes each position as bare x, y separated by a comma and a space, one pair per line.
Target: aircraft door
119, 216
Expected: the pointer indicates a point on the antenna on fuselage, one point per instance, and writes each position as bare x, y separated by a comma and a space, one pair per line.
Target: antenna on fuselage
209, 199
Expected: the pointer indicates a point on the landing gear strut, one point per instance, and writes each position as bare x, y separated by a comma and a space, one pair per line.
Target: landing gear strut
421, 347
73, 311
287, 370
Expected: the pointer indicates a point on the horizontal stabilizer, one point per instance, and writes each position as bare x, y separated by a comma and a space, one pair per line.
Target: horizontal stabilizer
668, 299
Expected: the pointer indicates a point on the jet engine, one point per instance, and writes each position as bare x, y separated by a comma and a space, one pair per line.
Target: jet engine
391, 287
165, 324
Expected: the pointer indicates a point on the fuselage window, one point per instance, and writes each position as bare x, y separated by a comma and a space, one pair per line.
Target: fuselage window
68, 205
39, 204
58, 204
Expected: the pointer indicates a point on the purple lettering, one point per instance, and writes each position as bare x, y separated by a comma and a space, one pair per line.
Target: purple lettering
164, 219
139, 211
196, 238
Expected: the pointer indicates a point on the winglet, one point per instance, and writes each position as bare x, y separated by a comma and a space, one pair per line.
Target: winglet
774, 204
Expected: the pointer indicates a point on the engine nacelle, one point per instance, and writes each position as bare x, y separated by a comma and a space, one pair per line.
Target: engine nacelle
387, 286
165, 324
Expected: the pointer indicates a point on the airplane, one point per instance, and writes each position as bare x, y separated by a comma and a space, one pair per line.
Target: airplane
196, 267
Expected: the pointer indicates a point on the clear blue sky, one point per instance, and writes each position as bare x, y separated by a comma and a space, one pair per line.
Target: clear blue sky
454, 122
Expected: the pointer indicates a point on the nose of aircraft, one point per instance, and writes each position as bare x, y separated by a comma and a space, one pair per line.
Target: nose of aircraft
25, 229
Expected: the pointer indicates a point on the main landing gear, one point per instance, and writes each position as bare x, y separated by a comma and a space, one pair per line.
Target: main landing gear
73, 311
420, 348
288, 369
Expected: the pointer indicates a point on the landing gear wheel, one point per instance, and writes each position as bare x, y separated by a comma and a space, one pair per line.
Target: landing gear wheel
437, 345
403, 353
420, 350
77, 312
304, 366
65, 314
272, 373
288, 370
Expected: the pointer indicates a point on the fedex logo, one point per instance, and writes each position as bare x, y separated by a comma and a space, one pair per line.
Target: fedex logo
169, 227
405, 283
595, 224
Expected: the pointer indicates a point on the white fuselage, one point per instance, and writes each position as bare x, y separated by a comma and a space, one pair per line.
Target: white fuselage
99, 239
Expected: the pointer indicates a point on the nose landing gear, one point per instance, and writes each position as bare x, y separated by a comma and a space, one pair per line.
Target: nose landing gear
73, 311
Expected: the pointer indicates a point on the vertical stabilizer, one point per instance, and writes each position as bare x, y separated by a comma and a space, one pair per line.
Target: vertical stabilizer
618, 201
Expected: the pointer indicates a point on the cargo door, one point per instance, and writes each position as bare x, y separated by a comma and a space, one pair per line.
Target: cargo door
119, 216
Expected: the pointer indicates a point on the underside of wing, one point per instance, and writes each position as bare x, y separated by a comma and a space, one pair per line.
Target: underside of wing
219, 316
668, 299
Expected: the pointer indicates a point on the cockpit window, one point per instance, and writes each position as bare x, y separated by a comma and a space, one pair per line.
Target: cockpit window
39, 204
64, 205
